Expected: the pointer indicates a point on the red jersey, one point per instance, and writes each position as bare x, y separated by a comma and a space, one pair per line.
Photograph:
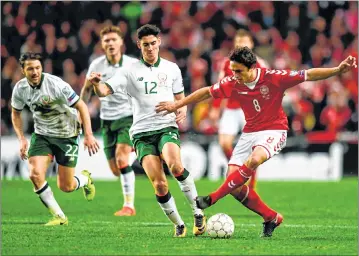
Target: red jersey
261, 100
232, 103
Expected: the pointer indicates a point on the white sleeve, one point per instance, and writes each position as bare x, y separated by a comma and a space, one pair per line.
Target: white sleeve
90, 70
177, 82
118, 82
16, 100
66, 94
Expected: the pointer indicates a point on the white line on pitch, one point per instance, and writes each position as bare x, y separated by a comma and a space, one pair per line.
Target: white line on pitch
238, 225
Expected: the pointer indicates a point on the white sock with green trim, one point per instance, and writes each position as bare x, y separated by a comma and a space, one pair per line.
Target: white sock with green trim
47, 198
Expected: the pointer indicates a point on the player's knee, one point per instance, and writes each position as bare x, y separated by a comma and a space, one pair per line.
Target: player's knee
255, 161
161, 187
226, 145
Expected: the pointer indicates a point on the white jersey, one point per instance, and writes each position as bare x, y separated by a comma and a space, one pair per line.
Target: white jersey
147, 85
115, 106
51, 104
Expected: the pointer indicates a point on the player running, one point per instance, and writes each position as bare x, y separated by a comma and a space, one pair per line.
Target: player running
156, 138
115, 114
54, 105
260, 92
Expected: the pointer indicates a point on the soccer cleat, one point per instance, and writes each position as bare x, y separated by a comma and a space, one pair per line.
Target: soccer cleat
58, 221
180, 231
89, 188
199, 226
269, 226
126, 211
203, 202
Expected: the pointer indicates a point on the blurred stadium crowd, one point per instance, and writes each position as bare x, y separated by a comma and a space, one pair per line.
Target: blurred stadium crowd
198, 37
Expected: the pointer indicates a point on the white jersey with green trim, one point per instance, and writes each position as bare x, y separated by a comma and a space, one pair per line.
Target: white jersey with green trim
51, 104
115, 106
147, 85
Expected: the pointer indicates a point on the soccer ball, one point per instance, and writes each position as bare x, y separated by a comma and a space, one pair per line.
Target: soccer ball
220, 225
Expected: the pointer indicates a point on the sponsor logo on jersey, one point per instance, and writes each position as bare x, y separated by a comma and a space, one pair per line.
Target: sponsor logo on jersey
293, 73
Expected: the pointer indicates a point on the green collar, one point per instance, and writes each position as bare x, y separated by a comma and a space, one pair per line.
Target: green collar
150, 65
38, 86
119, 62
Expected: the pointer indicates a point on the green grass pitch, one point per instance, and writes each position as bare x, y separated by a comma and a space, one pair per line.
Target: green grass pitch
320, 218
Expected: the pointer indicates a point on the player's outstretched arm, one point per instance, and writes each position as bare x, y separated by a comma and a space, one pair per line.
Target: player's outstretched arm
89, 140
17, 124
197, 96
86, 91
101, 89
181, 113
315, 74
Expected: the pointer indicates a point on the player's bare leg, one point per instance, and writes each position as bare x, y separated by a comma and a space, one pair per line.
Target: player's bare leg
226, 143
153, 167
67, 181
127, 176
38, 166
172, 155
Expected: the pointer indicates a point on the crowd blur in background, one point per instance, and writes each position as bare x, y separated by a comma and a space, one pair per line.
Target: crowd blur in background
198, 37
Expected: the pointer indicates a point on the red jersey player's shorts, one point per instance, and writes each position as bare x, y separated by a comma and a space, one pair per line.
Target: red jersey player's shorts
273, 141
231, 122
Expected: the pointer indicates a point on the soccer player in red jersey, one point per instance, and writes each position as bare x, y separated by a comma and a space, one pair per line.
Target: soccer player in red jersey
232, 119
260, 92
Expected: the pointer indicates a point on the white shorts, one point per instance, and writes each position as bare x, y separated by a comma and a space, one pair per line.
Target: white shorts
273, 141
232, 121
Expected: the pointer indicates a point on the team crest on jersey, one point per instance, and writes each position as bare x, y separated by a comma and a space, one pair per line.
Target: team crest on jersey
163, 78
45, 100
264, 91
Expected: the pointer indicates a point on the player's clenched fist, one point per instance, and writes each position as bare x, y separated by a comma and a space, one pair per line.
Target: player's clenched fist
95, 77
347, 64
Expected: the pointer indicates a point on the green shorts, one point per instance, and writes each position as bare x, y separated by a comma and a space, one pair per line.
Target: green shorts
115, 132
151, 143
65, 150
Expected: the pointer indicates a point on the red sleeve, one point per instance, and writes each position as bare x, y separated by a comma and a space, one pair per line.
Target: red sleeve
286, 78
223, 89
225, 71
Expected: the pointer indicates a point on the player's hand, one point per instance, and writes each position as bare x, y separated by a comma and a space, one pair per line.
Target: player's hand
347, 64
181, 114
94, 78
214, 115
166, 106
91, 144
23, 149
